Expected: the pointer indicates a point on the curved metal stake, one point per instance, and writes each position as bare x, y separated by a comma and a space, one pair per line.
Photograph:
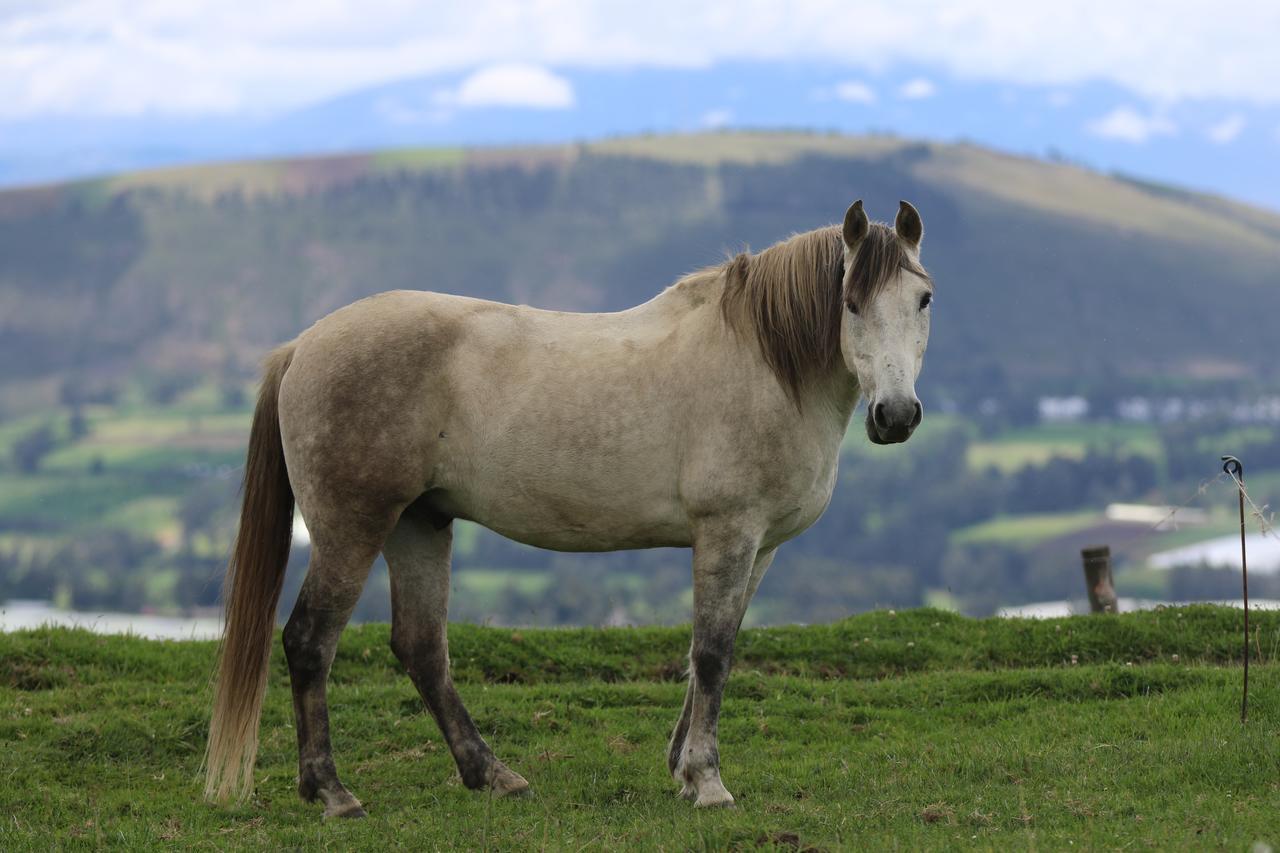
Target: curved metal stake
1235, 470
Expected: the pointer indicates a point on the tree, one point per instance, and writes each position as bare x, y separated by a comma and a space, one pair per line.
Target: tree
30, 449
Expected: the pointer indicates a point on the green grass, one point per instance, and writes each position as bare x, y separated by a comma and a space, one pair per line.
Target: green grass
415, 159
1036, 445
921, 730
1027, 529
145, 455
488, 584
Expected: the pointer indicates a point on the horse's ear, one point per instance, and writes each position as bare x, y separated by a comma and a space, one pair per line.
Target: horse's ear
855, 225
908, 224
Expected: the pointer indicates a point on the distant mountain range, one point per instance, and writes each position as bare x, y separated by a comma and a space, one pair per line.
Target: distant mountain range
1050, 276
1227, 148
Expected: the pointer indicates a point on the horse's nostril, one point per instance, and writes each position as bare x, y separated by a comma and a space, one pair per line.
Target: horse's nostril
919, 416
877, 415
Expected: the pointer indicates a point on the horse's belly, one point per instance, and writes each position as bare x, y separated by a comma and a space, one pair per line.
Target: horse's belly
591, 537
571, 515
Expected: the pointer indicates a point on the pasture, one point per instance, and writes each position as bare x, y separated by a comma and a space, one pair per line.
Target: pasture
914, 730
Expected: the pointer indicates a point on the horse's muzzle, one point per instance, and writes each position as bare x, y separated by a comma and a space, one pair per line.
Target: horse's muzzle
893, 421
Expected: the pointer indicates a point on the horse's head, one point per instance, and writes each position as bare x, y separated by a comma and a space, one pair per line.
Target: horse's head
884, 328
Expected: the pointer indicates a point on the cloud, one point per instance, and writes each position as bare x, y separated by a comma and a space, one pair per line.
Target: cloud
917, 89
855, 92
1226, 130
129, 57
717, 118
510, 84
1128, 125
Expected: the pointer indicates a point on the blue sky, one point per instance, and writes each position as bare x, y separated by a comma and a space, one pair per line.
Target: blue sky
1180, 91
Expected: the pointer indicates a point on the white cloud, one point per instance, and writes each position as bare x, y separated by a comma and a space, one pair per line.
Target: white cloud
717, 118
121, 57
510, 84
917, 89
855, 92
1226, 130
1128, 125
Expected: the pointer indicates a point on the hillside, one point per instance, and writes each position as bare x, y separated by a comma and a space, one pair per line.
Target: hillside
918, 729
133, 310
1050, 276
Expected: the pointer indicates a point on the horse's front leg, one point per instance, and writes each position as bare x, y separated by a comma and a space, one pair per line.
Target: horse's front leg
723, 569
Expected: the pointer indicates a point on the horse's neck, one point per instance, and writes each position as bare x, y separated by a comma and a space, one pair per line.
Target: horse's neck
836, 395
827, 402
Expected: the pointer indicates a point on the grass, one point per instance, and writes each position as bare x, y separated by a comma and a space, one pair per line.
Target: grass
145, 457
1027, 529
490, 583
1018, 448
915, 730
415, 159
751, 147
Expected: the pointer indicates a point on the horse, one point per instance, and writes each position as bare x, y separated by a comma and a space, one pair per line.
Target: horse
710, 417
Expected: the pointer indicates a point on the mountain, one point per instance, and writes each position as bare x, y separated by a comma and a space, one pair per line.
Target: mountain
1051, 277
1221, 145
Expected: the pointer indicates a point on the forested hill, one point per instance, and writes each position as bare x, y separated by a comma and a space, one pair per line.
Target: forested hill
1049, 275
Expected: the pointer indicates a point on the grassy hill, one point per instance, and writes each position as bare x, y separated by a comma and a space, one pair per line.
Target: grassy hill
1049, 273
919, 730
133, 310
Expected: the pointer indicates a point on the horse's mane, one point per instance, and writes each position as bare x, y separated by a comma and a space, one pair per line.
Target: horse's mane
789, 296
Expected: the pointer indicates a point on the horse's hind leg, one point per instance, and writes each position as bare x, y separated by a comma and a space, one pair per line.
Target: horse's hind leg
418, 553
341, 557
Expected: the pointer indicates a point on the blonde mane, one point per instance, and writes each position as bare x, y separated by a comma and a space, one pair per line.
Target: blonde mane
790, 298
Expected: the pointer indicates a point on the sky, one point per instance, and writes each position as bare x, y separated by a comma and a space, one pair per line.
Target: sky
1173, 72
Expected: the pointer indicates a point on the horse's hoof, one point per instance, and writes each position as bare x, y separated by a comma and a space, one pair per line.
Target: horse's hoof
688, 792
715, 801
508, 783
712, 794
345, 811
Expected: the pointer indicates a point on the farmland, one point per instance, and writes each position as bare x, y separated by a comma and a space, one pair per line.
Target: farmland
133, 507
916, 730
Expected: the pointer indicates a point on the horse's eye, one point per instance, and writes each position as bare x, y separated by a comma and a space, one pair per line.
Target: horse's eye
853, 309
925, 300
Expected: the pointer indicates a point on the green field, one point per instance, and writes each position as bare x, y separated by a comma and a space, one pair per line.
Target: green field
916, 730
1027, 529
1036, 445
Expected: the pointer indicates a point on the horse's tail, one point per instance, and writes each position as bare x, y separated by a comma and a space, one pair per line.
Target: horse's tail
251, 591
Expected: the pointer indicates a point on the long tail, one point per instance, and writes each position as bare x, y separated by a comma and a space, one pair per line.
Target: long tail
251, 592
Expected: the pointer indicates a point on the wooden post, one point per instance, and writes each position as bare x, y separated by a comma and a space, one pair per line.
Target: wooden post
1097, 579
